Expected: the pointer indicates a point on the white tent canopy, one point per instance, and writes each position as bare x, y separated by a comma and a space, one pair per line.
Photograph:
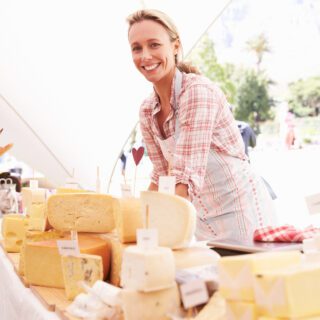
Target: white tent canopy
69, 93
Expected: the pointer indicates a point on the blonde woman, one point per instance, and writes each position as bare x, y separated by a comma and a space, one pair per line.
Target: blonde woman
187, 126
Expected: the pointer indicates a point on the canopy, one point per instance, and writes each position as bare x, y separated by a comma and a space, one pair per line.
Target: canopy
69, 93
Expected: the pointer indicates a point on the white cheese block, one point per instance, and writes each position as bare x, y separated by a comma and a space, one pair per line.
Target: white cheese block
30, 196
75, 269
108, 293
172, 215
194, 257
128, 218
147, 269
155, 305
84, 212
215, 309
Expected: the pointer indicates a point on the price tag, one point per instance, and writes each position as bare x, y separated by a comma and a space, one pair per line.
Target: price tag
126, 190
68, 247
167, 184
147, 238
313, 203
194, 293
33, 184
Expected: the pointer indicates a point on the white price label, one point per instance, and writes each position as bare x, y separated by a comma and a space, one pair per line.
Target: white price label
68, 247
194, 293
126, 191
313, 203
167, 184
147, 238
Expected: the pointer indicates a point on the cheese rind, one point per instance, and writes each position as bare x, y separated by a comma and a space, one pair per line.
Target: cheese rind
155, 305
85, 267
43, 261
128, 218
172, 215
83, 212
147, 270
236, 273
14, 227
194, 257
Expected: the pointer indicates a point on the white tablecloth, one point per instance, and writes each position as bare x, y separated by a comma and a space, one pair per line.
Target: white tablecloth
16, 301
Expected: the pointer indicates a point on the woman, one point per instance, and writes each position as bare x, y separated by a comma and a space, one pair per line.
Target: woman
189, 130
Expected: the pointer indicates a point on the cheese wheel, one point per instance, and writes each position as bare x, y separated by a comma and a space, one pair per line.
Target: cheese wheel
172, 215
128, 218
147, 269
43, 261
83, 212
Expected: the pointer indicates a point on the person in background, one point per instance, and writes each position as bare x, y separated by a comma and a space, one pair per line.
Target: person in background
290, 135
189, 130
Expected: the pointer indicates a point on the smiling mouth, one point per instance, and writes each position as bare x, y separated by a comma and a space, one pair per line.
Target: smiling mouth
151, 67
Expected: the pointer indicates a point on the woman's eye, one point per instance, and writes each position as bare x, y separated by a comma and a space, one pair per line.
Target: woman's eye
135, 48
155, 45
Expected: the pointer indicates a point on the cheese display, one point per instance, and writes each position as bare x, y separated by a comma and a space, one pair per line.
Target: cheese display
31, 196
70, 190
147, 269
128, 218
32, 236
194, 257
236, 310
155, 305
236, 273
85, 267
83, 212
43, 261
173, 216
14, 227
288, 292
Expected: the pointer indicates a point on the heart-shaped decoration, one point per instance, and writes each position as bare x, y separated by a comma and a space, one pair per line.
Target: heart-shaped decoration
137, 154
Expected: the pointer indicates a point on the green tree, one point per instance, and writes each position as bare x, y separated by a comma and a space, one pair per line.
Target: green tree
304, 97
204, 57
253, 101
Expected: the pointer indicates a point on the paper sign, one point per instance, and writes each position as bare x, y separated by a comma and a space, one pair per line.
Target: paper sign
167, 184
126, 191
313, 203
194, 293
147, 238
68, 247
33, 184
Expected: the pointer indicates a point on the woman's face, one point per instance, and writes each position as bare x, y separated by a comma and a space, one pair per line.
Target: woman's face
152, 51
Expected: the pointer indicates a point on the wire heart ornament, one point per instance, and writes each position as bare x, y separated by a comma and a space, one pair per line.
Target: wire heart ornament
137, 154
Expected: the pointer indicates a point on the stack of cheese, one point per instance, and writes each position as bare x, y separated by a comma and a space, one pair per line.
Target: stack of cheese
240, 278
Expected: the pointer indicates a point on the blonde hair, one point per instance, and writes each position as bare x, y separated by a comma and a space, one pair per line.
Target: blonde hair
164, 20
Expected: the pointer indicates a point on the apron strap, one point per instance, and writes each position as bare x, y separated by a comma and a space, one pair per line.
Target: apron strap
177, 90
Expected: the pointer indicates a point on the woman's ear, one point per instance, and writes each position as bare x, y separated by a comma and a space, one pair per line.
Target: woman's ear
176, 45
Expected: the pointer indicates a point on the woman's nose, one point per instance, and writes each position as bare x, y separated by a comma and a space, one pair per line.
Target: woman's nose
145, 54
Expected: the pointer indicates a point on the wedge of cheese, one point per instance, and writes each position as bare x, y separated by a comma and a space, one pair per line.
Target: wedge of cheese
128, 218
85, 267
155, 305
83, 212
173, 216
14, 227
147, 269
288, 292
194, 257
33, 236
38, 219
43, 261
31, 196
236, 273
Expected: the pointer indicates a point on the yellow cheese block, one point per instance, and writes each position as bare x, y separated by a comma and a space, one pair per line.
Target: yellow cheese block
289, 292
30, 196
215, 309
85, 267
14, 227
236, 273
32, 236
83, 212
43, 261
195, 257
128, 218
236, 310
38, 219
155, 305
173, 216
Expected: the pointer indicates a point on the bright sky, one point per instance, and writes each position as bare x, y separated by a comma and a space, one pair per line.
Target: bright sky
292, 28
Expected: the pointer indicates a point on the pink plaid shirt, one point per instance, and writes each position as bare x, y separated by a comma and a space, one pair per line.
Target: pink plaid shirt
205, 121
